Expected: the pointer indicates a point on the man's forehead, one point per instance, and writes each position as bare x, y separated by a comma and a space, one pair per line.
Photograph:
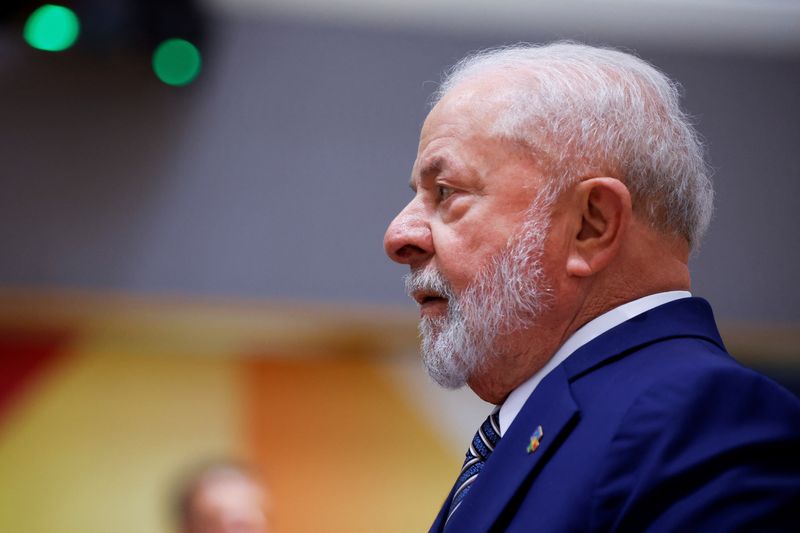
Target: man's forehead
457, 117
463, 101
469, 108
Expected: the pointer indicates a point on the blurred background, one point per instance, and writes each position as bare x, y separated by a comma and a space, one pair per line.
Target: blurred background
193, 201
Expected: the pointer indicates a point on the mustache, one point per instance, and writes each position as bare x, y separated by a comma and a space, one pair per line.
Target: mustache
428, 280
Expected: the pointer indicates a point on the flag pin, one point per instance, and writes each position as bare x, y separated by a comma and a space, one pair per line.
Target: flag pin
536, 438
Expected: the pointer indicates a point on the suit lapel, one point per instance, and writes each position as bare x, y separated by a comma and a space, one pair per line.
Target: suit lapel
552, 407
438, 524
510, 465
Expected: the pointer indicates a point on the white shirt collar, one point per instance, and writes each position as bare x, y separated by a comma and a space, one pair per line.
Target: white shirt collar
610, 319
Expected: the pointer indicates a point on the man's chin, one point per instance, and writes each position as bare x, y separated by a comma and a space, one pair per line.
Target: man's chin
447, 378
443, 366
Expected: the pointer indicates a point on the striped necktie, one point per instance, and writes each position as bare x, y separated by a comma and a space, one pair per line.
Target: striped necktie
482, 445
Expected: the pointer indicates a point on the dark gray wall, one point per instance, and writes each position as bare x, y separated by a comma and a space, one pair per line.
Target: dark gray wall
275, 174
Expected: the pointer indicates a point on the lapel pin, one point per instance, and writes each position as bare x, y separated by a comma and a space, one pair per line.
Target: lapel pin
536, 438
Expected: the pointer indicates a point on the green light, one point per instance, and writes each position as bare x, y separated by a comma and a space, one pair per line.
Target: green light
52, 28
176, 62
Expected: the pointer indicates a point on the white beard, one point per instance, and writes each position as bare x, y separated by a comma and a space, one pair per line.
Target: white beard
506, 296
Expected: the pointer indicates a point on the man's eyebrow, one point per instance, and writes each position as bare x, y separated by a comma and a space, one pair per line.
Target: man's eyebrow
432, 167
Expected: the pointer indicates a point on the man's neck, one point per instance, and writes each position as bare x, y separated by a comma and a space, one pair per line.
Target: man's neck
588, 332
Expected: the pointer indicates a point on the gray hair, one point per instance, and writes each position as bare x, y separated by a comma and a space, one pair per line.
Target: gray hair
587, 111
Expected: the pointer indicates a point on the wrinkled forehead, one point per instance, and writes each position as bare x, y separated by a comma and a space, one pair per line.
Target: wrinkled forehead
471, 108
486, 109
502, 99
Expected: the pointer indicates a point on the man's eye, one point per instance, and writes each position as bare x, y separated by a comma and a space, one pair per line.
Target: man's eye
444, 192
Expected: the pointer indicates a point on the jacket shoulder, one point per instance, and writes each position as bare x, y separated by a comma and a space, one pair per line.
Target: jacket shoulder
703, 443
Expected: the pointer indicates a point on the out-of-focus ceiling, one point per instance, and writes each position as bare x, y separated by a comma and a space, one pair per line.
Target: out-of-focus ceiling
771, 26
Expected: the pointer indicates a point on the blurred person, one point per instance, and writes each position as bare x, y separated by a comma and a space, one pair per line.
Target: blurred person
222, 497
558, 192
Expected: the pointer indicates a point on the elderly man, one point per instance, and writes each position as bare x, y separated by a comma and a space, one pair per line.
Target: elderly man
558, 192
222, 497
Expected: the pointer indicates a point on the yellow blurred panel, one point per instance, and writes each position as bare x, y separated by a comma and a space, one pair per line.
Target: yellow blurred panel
98, 445
341, 448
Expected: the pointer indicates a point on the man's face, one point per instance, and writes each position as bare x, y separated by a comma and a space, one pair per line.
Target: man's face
230, 504
475, 271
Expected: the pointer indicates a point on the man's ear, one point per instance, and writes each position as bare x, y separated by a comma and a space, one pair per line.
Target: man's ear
601, 215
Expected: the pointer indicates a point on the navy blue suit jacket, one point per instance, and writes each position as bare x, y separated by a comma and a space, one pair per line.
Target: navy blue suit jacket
651, 426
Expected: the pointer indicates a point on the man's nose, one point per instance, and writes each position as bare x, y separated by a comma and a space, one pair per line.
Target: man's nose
408, 238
